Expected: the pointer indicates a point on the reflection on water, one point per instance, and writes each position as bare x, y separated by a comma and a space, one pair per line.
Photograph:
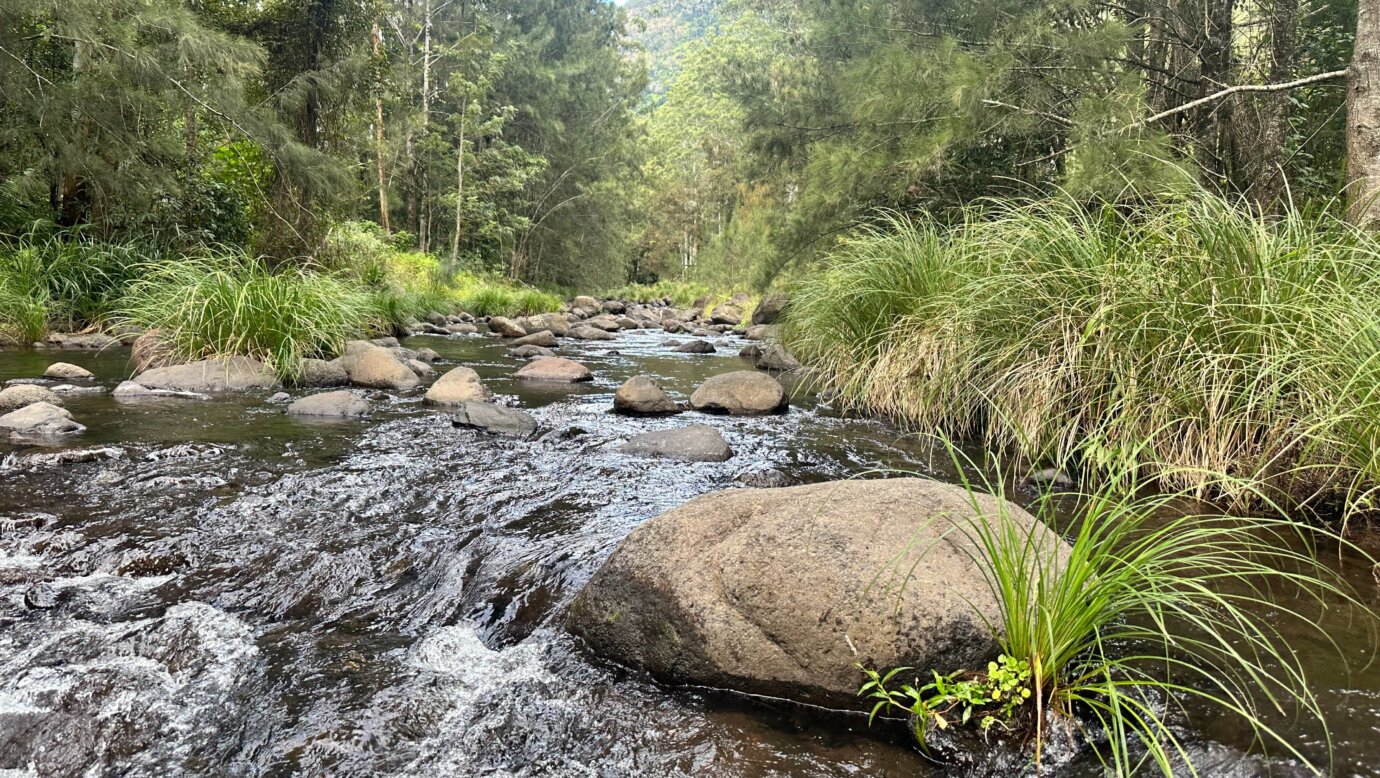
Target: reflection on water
244, 593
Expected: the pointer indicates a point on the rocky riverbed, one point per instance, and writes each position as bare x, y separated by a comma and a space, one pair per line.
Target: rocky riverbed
220, 587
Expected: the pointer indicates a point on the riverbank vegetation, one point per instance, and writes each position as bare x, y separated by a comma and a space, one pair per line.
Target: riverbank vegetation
1149, 609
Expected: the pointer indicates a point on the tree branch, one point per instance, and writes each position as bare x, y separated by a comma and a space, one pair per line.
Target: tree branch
1228, 92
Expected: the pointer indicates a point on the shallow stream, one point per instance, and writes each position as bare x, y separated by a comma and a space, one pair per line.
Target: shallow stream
236, 592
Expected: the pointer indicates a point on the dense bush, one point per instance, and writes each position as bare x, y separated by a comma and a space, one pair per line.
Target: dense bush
1180, 339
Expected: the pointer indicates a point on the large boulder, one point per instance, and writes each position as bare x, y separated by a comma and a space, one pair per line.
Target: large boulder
605, 322
641, 396
776, 358
585, 306
555, 369
459, 385
726, 313
695, 347
505, 327
380, 369
66, 371
769, 309
20, 395
770, 591
495, 419
586, 332
740, 393
341, 403
557, 323
695, 443
222, 374
40, 418
544, 338
320, 373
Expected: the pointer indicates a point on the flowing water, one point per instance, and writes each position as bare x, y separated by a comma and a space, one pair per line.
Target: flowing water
213, 588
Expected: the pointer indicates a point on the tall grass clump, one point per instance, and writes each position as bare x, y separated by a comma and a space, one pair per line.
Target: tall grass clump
1147, 613
224, 305
488, 297
682, 294
1182, 338
60, 281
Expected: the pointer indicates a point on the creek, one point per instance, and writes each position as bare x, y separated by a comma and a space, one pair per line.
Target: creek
225, 590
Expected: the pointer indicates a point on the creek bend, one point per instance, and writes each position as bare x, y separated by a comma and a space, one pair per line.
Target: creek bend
237, 592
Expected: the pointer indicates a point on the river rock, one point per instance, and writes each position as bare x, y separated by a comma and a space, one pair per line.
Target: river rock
726, 313
543, 338
151, 350
385, 342
462, 328
20, 395
341, 403
695, 347
379, 369
40, 418
585, 306
66, 371
93, 341
768, 591
641, 396
628, 323
761, 332
763, 477
505, 327
417, 366
740, 393
495, 419
222, 374
458, 386
614, 306
320, 373
776, 358
769, 308
527, 352
427, 355
555, 369
586, 332
557, 323
695, 443
129, 390
605, 322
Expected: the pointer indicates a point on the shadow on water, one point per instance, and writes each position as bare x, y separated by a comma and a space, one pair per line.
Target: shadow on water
231, 591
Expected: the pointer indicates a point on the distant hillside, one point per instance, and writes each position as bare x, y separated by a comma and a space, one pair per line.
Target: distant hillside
669, 24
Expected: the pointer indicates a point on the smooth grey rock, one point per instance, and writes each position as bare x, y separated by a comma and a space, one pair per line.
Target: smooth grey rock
770, 591
696, 347
66, 371
642, 396
505, 327
494, 419
555, 369
586, 332
696, 443
726, 313
740, 393
226, 374
769, 308
544, 339
318, 373
462, 328
40, 418
527, 352
380, 369
20, 395
130, 390
341, 403
458, 386
776, 358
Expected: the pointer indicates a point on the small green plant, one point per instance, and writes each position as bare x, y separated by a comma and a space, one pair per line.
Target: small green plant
993, 696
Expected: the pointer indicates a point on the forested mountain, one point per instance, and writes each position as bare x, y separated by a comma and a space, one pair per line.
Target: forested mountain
664, 27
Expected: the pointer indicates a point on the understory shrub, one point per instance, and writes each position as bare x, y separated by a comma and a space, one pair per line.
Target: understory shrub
60, 281
1173, 341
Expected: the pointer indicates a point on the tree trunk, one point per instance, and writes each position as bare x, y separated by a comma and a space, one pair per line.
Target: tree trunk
459, 184
424, 211
1213, 122
378, 128
1363, 117
1268, 183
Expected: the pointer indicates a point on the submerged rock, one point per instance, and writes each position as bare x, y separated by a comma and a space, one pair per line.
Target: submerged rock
527, 352
131, 390
740, 393
556, 369
341, 403
66, 371
769, 591
40, 418
494, 419
458, 386
763, 477
224, 374
696, 443
642, 396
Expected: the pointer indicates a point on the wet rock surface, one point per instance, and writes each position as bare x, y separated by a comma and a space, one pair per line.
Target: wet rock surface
695, 443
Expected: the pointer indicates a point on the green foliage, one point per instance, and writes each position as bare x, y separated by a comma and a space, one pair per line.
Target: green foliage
681, 294
60, 281
482, 297
993, 696
225, 304
1185, 338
